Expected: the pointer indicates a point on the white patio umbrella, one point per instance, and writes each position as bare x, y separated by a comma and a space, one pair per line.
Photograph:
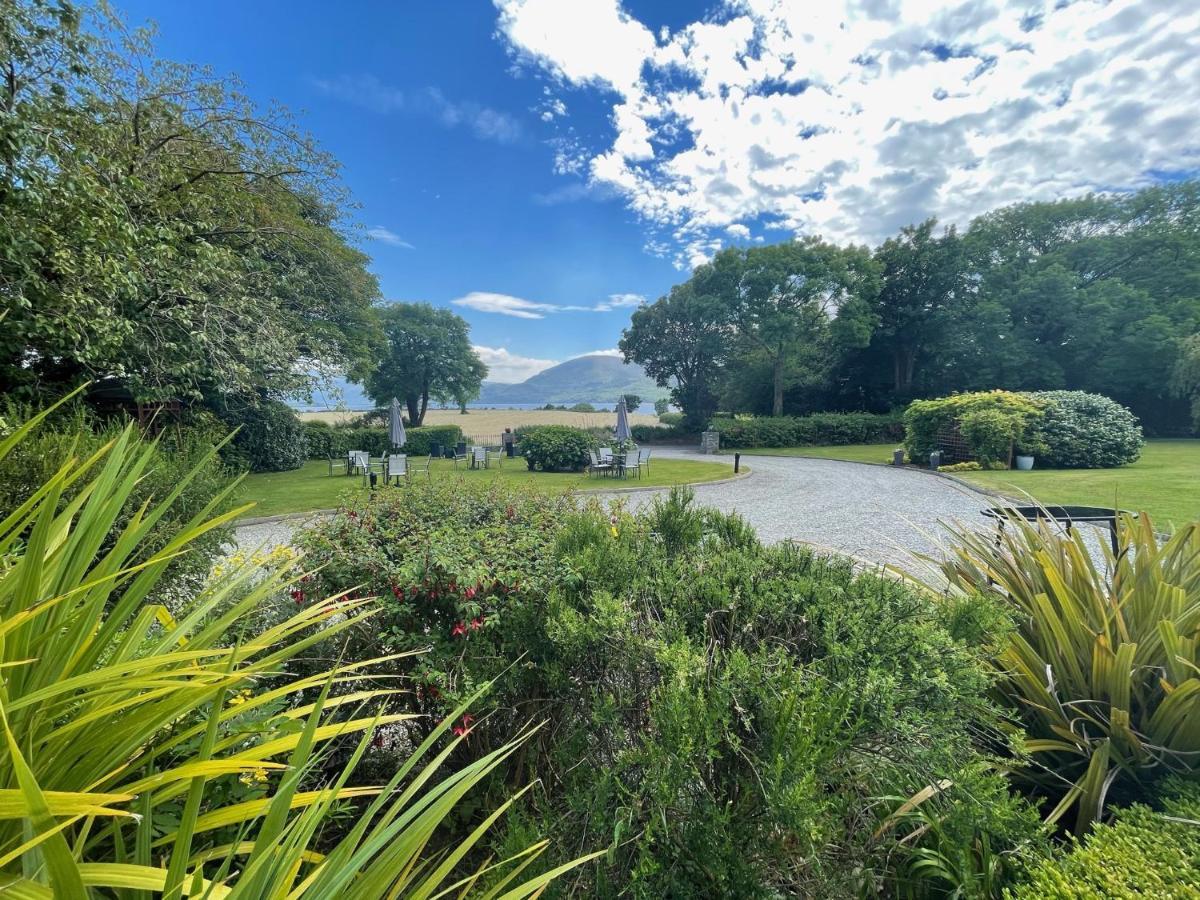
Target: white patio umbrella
396, 426
622, 432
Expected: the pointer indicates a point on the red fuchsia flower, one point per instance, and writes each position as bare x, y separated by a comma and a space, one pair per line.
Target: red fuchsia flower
458, 629
476, 623
298, 596
470, 592
397, 592
465, 727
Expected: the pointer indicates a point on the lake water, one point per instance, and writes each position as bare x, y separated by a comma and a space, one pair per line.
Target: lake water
352, 398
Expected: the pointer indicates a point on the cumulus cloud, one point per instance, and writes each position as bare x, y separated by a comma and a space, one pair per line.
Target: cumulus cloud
851, 118
520, 308
387, 236
370, 93
509, 368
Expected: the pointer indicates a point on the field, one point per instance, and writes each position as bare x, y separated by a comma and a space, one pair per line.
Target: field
1165, 482
489, 422
311, 487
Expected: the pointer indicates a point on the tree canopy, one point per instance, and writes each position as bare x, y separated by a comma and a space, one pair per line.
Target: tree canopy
428, 355
1094, 294
159, 227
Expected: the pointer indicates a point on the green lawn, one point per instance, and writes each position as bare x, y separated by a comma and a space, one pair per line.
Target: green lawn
1165, 482
310, 487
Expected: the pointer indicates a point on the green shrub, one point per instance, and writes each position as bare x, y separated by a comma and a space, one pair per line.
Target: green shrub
583, 407
814, 430
270, 436
1009, 416
556, 448
969, 466
649, 434
181, 458
1144, 853
670, 419
1084, 431
1103, 669
703, 694
991, 433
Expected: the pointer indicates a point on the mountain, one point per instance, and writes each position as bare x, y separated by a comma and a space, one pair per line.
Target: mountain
585, 379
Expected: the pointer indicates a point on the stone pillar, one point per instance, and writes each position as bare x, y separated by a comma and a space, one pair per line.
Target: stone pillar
710, 441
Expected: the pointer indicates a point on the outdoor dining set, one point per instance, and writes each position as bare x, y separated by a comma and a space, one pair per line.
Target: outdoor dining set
622, 464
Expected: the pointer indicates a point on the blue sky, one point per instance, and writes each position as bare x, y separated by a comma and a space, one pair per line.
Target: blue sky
541, 166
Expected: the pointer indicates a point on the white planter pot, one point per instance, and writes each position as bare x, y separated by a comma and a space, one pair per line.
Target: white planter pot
1024, 463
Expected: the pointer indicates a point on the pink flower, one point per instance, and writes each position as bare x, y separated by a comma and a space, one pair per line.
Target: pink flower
298, 596
465, 727
458, 629
476, 623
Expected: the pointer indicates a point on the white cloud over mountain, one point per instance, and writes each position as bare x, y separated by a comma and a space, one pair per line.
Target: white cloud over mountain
851, 118
520, 308
509, 368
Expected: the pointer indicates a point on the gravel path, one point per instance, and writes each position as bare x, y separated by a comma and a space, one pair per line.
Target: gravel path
877, 513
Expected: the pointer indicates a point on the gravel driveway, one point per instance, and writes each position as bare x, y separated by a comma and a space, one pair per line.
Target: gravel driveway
877, 513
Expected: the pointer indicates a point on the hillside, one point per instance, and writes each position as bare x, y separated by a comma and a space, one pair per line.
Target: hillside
585, 379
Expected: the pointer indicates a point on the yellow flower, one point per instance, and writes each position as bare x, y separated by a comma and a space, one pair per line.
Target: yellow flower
253, 777
240, 697
614, 531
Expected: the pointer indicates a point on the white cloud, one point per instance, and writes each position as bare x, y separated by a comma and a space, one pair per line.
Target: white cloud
518, 307
387, 236
611, 352
505, 305
852, 118
509, 368
370, 93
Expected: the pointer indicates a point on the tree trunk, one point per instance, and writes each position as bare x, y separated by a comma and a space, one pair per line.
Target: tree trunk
424, 407
415, 414
777, 383
904, 361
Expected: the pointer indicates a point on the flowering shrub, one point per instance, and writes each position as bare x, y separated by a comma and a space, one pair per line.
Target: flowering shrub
459, 569
1079, 430
994, 418
701, 693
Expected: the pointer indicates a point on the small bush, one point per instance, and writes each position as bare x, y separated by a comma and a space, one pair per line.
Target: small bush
556, 448
814, 430
583, 407
1079, 430
270, 436
969, 466
670, 419
1144, 853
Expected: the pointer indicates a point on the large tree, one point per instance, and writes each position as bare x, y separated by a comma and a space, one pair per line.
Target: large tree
797, 304
682, 341
161, 228
428, 355
923, 289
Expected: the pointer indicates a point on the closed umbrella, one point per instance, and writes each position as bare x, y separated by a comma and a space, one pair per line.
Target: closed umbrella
396, 426
622, 432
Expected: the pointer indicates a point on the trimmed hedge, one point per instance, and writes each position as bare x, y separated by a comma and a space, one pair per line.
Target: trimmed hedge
1079, 430
556, 448
817, 429
326, 440
1144, 853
